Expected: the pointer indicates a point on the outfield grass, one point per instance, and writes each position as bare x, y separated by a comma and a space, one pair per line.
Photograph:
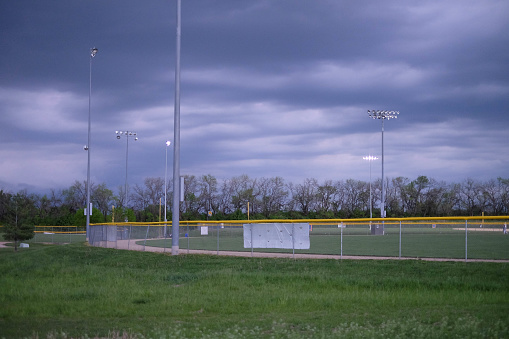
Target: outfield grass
79, 291
415, 242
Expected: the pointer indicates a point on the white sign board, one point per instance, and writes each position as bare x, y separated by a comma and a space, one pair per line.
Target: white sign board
204, 230
277, 235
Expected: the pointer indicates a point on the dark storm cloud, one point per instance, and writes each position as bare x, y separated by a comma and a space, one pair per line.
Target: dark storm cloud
268, 88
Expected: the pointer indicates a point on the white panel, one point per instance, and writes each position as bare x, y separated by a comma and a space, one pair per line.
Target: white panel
277, 235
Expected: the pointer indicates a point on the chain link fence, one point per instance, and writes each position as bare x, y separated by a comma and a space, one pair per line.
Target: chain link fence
58, 234
448, 238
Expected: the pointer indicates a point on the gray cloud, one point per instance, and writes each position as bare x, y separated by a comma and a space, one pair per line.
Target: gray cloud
268, 88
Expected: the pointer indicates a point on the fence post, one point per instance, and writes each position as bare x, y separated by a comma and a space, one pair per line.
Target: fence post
146, 236
217, 228
293, 240
188, 236
400, 239
341, 225
130, 232
466, 240
164, 245
251, 239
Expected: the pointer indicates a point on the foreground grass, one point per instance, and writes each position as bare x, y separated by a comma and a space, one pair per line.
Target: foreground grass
79, 291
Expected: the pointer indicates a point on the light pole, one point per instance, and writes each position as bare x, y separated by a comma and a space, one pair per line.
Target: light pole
175, 224
168, 143
88, 209
127, 135
370, 159
383, 115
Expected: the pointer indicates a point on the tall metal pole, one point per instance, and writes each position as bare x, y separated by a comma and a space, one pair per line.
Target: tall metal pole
370, 159
176, 144
93, 52
382, 205
127, 134
126, 162
382, 115
168, 143
370, 200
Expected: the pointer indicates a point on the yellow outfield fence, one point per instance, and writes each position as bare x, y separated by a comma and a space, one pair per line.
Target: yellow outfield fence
59, 234
60, 229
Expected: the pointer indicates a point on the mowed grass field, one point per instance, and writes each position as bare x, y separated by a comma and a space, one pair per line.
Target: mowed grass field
64, 291
416, 242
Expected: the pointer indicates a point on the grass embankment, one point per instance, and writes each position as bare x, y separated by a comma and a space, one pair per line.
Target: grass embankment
78, 291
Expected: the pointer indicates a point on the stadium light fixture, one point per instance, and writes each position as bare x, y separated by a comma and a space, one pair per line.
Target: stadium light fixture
370, 158
383, 115
127, 135
88, 209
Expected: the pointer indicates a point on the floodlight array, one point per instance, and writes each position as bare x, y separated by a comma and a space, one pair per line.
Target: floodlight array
370, 158
127, 134
379, 114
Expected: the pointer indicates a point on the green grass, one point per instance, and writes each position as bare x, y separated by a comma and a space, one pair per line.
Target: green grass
418, 240
79, 291
415, 243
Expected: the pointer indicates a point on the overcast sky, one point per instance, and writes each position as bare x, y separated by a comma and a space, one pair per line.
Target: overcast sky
268, 88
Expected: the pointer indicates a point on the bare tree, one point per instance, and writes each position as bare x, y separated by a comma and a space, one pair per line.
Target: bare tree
326, 195
469, 197
337, 202
139, 198
395, 196
504, 194
354, 200
147, 198
432, 198
76, 195
414, 194
491, 192
120, 197
225, 197
102, 197
208, 193
273, 193
243, 190
304, 195
154, 188
191, 195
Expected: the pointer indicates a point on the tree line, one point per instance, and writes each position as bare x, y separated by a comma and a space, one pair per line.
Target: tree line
262, 198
